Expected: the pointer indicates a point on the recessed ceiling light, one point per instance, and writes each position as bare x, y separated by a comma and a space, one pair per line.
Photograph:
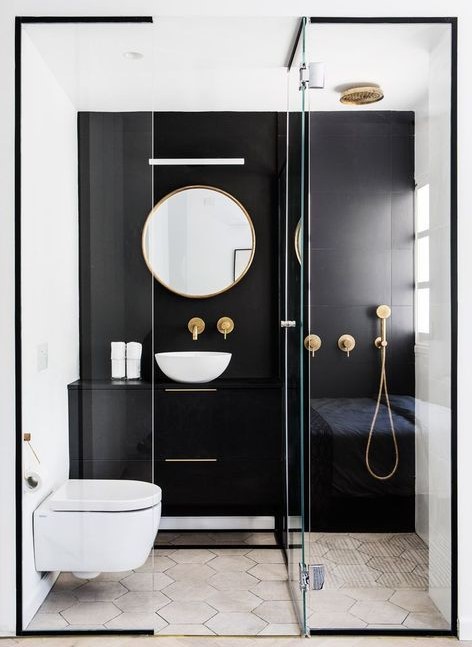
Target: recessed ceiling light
134, 56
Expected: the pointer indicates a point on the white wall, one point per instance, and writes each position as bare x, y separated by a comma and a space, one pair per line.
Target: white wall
433, 358
8, 9
50, 299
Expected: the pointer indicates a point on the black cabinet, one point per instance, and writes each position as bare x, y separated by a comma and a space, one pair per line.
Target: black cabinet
215, 450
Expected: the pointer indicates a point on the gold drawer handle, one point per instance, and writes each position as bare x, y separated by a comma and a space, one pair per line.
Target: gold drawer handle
190, 390
190, 460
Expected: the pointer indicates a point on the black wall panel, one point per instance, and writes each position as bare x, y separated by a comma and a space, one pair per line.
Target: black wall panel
115, 198
362, 236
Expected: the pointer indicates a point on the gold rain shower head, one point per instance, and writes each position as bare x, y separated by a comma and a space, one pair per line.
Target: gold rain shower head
361, 95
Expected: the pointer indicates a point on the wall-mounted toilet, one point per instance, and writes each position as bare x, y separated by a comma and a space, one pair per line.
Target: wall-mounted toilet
90, 526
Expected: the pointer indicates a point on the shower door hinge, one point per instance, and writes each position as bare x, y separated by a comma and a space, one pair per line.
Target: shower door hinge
288, 324
304, 76
311, 577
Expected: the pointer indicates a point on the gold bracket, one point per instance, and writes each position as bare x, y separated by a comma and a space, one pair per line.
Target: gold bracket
312, 343
196, 325
225, 325
346, 343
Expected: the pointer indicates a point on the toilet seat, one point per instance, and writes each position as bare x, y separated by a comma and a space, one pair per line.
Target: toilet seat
97, 495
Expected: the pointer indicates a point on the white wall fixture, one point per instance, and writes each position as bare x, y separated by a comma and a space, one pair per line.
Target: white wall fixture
197, 161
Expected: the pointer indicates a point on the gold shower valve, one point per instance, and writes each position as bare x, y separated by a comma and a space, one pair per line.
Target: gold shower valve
346, 343
312, 343
225, 325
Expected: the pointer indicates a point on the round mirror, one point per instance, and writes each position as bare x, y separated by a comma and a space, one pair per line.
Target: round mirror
198, 241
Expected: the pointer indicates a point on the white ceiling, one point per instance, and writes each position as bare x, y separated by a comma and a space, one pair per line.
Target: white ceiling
205, 63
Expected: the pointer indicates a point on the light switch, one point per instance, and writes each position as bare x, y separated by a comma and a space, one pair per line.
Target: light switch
42, 356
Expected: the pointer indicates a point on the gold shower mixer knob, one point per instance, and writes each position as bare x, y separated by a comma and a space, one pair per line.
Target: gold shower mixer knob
346, 343
225, 325
312, 343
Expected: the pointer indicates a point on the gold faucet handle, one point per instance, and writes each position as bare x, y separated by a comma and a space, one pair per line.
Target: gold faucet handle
196, 325
346, 343
225, 325
312, 343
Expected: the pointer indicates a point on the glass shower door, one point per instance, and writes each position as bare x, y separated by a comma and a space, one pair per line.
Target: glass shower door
293, 330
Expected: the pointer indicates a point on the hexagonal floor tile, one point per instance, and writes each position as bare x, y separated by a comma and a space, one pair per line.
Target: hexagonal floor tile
227, 601
236, 624
146, 581
56, 602
156, 562
261, 538
67, 581
335, 620
233, 581
277, 612
191, 591
186, 630
100, 591
134, 620
187, 612
329, 601
346, 556
188, 572
91, 613
426, 621
142, 601
272, 590
372, 593
392, 564
281, 630
47, 621
334, 540
269, 571
193, 556
414, 600
378, 612
231, 563
266, 556
381, 549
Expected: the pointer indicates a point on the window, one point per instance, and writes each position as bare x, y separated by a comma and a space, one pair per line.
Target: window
422, 242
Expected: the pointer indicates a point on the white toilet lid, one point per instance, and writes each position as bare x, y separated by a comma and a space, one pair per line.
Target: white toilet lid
96, 495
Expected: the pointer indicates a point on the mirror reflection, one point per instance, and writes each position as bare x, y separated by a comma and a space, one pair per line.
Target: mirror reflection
198, 241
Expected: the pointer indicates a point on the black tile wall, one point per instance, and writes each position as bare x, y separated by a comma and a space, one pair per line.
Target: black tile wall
362, 234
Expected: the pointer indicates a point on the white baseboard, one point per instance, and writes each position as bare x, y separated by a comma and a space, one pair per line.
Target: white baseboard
217, 523
464, 627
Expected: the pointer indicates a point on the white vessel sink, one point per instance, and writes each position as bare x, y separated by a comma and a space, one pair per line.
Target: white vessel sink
193, 366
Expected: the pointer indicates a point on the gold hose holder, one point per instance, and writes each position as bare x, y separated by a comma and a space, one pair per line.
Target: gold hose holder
383, 312
225, 325
196, 325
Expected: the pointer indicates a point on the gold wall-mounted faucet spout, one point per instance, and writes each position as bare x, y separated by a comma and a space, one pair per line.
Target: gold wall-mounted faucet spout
225, 325
196, 325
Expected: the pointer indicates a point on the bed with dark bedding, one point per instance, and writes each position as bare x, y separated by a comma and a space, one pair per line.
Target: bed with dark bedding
344, 496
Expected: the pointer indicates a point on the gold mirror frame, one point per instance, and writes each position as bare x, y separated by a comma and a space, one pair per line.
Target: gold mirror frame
167, 197
298, 241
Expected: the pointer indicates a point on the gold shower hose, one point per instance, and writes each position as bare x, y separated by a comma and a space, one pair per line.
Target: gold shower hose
382, 387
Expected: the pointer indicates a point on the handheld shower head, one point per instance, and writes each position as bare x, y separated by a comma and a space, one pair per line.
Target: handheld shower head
383, 312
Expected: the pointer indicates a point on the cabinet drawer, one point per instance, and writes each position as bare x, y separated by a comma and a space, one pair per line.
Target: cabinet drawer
221, 487
228, 424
